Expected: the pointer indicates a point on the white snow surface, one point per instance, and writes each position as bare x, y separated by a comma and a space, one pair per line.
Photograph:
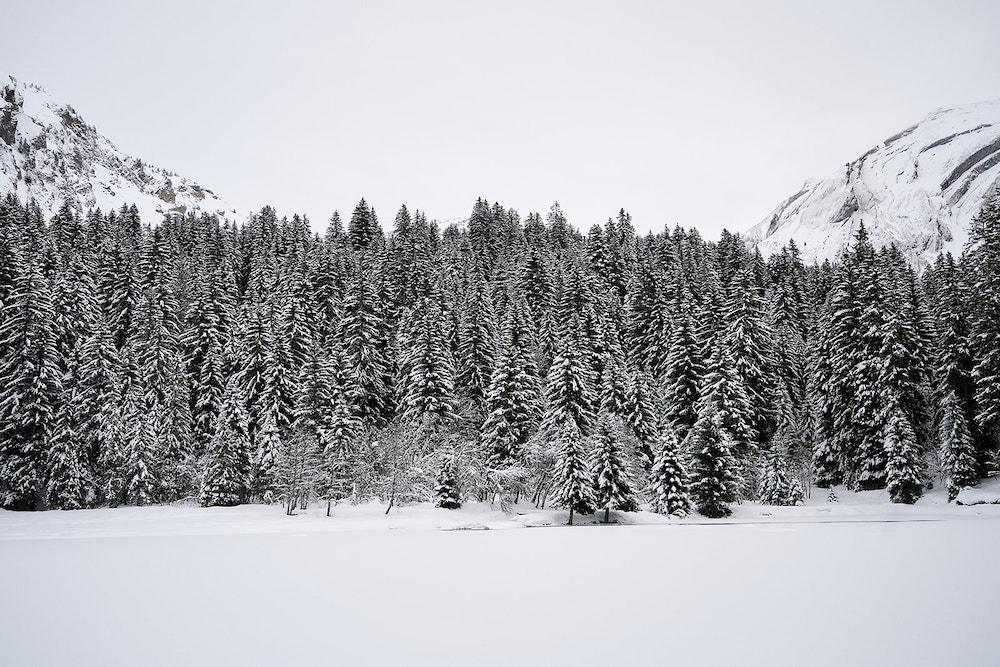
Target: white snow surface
858, 582
985, 493
919, 189
49, 154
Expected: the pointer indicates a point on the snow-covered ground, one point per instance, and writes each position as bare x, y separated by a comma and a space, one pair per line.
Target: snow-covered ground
857, 582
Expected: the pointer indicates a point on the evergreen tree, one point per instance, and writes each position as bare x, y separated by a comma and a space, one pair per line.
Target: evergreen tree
670, 483
640, 415
344, 426
958, 454
776, 487
724, 389
749, 337
568, 392
427, 387
681, 377
610, 372
714, 480
512, 403
366, 335
134, 455
446, 491
903, 466
31, 383
984, 278
363, 230
227, 473
572, 477
610, 469
67, 464
477, 343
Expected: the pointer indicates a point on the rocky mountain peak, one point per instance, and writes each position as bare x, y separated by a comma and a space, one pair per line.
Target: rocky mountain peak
50, 154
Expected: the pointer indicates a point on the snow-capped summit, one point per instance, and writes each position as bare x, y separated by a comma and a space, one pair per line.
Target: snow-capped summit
49, 154
919, 189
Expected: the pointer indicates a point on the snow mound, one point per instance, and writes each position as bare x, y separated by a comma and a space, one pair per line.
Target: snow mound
985, 493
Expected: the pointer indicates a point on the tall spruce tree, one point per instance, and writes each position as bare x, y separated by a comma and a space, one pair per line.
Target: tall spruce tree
669, 480
958, 454
714, 483
609, 466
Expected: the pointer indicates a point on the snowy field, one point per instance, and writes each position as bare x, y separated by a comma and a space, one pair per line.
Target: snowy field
859, 582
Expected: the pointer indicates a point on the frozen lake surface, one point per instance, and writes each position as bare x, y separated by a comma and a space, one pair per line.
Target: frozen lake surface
852, 583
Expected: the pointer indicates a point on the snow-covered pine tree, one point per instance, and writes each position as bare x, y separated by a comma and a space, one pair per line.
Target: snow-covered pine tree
713, 471
958, 454
681, 377
477, 342
101, 383
297, 321
314, 395
572, 478
30, 375
723, 387
10, 215
267, 450
953, 357
512, 403
904, 467
251, 357
156, 349
776, 487
343, 425
67, 470
610, 467
427, 388
822, 400
363, 230
136, 478
670, 483
282, 373
904, 351
612, 380
749, 339
208, 322
648, 324
983, 255
365, 334
569, 386
227, 469
641, 414
447, 494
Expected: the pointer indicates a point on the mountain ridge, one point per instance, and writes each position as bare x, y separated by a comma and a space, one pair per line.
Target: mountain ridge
918, 189
49, 154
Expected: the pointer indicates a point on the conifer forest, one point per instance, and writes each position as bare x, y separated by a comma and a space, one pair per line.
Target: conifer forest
505, 359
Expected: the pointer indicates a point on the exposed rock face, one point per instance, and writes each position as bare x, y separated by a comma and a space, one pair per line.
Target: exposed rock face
48, 153
919, 189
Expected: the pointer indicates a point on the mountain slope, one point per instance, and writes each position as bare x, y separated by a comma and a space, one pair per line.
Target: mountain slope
48, 153
919, 189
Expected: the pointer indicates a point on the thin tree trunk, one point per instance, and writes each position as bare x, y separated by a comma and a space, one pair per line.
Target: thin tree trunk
607, 514
392, 495
571, 515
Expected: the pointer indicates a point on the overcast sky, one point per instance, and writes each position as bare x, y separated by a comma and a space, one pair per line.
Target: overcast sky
706, 114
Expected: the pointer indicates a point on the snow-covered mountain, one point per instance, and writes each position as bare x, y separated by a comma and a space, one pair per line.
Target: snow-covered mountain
48, 153
919, 189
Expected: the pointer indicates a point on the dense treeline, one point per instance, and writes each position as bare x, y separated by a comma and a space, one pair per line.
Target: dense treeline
505, 359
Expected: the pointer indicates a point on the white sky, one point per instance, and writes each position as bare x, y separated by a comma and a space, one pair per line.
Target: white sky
706, 114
